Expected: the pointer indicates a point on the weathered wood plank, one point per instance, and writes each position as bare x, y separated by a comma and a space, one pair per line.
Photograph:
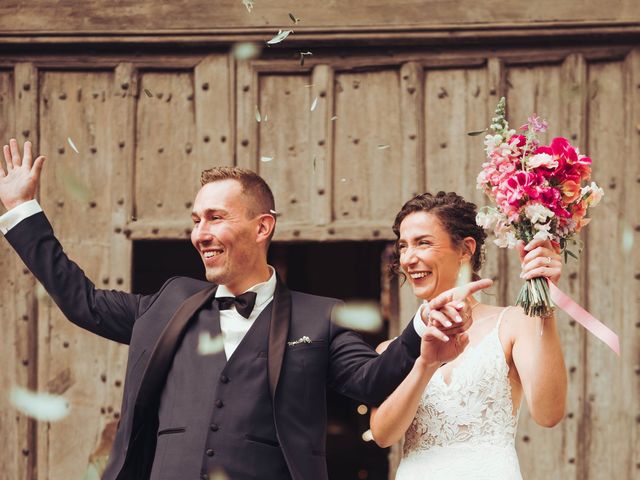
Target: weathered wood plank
45, 16
16, 296
630, 233
495, 258
611, 406
321, 144
412, 118
215, 111
564, 105
76, 192
26, 125
247, 96
283, 143
368, 147
547, 452
167, 170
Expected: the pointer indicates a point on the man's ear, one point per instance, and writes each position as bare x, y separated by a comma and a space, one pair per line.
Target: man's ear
266, 226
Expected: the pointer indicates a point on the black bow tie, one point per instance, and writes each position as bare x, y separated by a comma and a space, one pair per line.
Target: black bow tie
244, 303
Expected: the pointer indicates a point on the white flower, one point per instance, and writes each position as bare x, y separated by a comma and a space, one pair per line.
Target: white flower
506, 238
542, 160
488, 219
492, 142
537, 213
543, 235
596, 194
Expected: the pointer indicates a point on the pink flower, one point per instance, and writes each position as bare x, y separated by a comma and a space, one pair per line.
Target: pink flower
551, 198
535, 124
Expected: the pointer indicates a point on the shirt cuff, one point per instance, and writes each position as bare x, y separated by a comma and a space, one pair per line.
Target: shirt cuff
14, 216
418, 324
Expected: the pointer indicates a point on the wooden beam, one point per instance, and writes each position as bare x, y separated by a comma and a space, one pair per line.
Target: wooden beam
321, 144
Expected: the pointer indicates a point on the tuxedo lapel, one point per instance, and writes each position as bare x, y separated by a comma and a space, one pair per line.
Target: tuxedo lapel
165, 348
278, 332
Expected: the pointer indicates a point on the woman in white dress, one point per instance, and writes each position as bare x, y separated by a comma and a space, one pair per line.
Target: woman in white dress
459, 418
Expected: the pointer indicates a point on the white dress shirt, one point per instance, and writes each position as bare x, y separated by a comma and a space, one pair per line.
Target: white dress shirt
418, 324
233, 325
14, 216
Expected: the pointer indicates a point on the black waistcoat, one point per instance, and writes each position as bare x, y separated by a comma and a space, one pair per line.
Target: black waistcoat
216, 414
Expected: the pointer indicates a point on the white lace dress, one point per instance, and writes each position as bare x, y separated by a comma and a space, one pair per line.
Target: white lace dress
465, 430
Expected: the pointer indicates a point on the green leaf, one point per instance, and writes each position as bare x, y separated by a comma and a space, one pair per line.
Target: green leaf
476, 133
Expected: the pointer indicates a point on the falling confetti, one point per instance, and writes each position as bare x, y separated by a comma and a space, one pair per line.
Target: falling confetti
73, 145
282, 34
248, 4
273, 212
309, 85
258, 116
148, 93
383, 147
294, 19
72, 184
302, 55
218, 474
335, 117
208, 345
627, 238
42, 295
314, 104
41, 406
362, 316
367, 436
266, 117
266, 159
246, 50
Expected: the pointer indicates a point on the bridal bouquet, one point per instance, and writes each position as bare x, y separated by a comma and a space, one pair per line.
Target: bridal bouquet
538, 192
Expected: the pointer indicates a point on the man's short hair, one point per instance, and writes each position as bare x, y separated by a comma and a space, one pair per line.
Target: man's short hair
253, 186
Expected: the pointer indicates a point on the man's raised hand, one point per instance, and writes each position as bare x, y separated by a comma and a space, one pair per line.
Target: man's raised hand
19, 183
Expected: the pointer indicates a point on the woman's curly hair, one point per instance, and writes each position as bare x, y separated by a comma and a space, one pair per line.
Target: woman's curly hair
457, 216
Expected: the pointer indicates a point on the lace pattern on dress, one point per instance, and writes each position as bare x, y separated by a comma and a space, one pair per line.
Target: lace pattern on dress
475, 408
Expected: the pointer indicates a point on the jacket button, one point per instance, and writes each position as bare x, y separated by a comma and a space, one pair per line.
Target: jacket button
214, 427
219, 403
210, 452
224, 379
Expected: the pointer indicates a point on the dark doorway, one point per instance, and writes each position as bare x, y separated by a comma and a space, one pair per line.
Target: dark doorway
346, 270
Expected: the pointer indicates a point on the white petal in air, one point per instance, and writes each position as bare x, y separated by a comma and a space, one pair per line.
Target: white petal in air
362, 316
73, 145
41, 406
627, 238
258, 116
208, 345
282, 34
248, 4
314, 104
266, 159
246, 50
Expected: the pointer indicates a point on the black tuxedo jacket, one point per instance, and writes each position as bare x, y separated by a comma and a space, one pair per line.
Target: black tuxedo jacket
154, 325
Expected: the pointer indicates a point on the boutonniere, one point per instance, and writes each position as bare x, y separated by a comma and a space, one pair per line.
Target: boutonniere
304, 339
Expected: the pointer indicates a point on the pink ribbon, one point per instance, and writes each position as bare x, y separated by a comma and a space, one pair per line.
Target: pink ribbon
584, 318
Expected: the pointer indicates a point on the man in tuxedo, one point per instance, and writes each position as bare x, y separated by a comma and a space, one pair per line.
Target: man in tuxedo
257, 408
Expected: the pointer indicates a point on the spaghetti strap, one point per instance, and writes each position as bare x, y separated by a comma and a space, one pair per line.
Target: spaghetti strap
500, 317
